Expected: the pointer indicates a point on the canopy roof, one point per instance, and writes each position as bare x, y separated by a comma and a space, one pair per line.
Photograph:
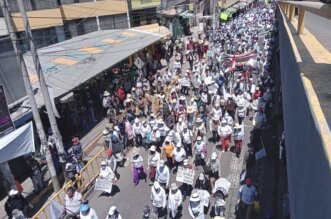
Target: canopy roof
70, 63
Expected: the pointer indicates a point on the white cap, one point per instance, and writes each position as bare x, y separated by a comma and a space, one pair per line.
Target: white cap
199, 138
103, 163
201, 176
117, 129
185, 162
105, 132
112, 210
136, 120
213, 156
156, 185
152, 148
180, 119
12, 192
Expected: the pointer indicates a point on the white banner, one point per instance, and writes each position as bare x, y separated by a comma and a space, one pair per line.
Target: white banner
204, 197
223, 185
105, 185
56, 210
17, 143
185, 175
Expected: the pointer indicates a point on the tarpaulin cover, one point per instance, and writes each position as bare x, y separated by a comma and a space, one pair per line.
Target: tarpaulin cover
224, 16
18, 143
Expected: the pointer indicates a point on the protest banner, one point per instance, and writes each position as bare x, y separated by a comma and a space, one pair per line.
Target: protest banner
204, 197
223, 185
104, 184
185, 175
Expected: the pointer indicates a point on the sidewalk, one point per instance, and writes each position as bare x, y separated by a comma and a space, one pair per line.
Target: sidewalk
90, 146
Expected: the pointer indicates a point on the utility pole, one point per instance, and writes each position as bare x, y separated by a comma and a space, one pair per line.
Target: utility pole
43, 85
30, 94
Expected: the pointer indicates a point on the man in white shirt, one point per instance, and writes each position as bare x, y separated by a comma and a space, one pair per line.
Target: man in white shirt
72, 201
159, 200
163, 174
187, 140
153, 162
137, 128
178, 157
175, 200
180, 125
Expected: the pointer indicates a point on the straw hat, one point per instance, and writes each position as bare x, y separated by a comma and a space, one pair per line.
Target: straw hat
135, 152
173, 186
190, 109
194, 197
237, 126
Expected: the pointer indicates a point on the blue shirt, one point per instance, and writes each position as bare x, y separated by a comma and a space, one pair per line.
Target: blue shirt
247, 194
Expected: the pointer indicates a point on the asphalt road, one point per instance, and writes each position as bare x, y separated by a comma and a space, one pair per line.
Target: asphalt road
320, 27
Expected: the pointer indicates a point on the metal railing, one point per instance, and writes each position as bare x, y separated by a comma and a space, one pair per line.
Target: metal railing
319, 8
86, 178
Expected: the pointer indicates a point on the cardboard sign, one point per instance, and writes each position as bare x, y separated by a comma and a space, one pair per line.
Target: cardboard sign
204, 197
223, 185
185, 175
104, 184
139, 63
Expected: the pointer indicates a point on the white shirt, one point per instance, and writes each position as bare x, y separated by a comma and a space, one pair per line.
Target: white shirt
153, 160
159, 199
180, 126
155, 135
137, 127
180, 155
175, 199
224, 131
164, 175
137, 162
73, 204
144, 130
187, 136
217, 112
106, 173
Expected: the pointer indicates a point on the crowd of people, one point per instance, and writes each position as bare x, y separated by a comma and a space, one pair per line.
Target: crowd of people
181, 114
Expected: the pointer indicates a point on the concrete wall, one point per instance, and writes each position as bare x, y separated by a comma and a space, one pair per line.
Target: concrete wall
308, 167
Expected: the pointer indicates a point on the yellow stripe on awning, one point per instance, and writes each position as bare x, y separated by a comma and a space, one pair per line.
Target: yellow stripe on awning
111, 41
64, 61
92, 50
128, 34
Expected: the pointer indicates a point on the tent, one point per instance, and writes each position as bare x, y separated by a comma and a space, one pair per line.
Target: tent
17, 143
225, 15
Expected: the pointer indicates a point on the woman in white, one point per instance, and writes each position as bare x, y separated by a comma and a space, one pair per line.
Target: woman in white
175, 200
199, 128
238, 136
106, 173
195, 207
153, 161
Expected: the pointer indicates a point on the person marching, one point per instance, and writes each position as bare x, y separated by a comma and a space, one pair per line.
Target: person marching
137, 167
163, 174
107, 173
195, 207
113, 213
159, 201
175, 201
200, 151
224, 131
153, 162
238, 136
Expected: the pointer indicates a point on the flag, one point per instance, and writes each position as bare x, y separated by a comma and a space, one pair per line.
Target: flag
56, 210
